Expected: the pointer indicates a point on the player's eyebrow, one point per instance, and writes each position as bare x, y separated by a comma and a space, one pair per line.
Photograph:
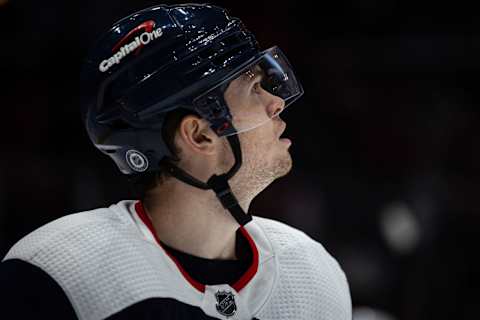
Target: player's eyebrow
252, 75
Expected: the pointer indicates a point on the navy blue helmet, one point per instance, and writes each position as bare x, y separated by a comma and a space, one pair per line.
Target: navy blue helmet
165, 58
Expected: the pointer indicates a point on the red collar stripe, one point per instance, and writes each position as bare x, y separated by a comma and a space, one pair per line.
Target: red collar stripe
252, 270
141, 213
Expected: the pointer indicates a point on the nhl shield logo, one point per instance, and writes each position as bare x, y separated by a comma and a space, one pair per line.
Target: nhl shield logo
225, 303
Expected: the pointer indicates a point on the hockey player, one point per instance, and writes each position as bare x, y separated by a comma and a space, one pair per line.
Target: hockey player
185, 103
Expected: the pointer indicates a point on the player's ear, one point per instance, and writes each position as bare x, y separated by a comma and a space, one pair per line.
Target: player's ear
194, 133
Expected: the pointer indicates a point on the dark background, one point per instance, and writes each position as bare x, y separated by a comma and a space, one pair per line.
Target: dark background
386, 140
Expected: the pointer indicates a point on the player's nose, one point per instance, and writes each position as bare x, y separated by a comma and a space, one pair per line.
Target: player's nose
275, 106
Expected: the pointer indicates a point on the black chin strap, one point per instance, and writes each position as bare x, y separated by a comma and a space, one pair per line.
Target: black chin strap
219, 184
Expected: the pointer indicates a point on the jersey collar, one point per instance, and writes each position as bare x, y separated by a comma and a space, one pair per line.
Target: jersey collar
238, 285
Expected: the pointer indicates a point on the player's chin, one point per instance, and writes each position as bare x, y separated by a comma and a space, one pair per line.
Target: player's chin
283, 166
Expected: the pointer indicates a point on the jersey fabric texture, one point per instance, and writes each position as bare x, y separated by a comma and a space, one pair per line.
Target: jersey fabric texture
109, 264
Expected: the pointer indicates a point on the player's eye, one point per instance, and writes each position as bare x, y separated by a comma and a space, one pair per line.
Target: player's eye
257, 88
272, 85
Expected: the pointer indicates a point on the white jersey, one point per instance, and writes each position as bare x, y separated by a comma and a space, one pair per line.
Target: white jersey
108, 259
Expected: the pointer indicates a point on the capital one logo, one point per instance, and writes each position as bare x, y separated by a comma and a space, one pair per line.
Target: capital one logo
128, 45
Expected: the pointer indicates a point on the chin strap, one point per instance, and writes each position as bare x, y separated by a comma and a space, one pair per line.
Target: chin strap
219, 184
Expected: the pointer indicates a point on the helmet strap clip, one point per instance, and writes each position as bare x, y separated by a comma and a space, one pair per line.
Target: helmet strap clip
222, 189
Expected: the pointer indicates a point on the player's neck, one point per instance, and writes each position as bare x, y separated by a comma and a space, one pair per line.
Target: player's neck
192, 220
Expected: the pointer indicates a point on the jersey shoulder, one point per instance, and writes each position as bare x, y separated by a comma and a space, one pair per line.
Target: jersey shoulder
284, 237
276, 228
308, 274
94, 256
63, 234
292, 242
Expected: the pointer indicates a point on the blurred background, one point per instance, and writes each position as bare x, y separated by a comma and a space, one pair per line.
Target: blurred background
386, 140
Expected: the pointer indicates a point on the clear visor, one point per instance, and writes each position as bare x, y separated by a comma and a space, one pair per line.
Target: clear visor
256, 94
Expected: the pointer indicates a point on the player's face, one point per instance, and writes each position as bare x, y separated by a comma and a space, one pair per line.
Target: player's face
265, 155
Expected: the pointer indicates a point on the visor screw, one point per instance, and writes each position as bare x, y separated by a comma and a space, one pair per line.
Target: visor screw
224, 126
